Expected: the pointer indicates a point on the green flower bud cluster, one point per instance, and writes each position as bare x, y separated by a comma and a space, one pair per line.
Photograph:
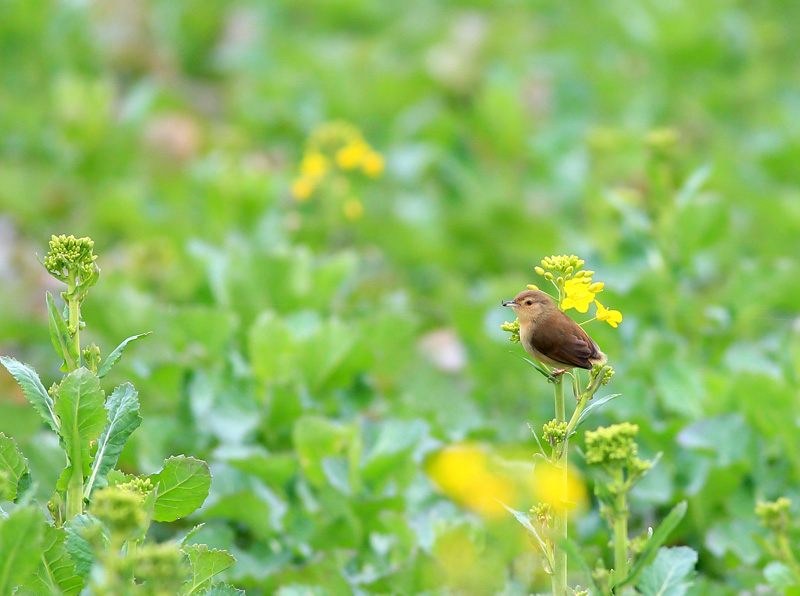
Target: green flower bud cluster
513, 329
138, 484
119, 509
614, 446
554, 432
160, 568
774, 514
606, 376
70, 255
91, 354
662, 140
580, 592
560, 264
543, 512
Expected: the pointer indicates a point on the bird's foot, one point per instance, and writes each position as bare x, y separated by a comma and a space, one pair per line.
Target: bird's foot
557, 372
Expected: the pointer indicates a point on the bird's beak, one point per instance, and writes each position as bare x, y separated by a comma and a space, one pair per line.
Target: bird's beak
510, 303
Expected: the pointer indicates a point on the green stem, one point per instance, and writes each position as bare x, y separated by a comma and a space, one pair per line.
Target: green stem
74, 316
74, 496
620, 528
786, 551
559, 578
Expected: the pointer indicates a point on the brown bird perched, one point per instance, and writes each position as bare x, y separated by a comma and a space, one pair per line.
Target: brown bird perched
552, 337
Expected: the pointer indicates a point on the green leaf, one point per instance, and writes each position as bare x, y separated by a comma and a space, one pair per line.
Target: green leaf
56, 573
670, 573
112, 358
574, 554
61, 338
223, 590
190, 534
21, 537
123, 418
11, 462
80, 529
271, 348
594, 406
80, 409
316, 438
779, 575
659, 537
205, 564
182, 485
33, 389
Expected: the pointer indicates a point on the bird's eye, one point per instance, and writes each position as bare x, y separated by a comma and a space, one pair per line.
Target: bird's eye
529, 302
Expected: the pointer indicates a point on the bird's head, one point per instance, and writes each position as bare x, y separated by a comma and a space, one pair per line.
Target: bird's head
530, 304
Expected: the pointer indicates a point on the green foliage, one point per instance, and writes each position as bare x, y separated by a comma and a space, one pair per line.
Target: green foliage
656, 140
670, 573
181, 487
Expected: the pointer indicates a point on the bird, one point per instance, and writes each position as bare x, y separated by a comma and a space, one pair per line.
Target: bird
551, 336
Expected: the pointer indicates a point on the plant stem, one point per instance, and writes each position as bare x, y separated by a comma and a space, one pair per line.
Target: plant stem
787, 554
559, 579
74, 496
74, 315
620, 528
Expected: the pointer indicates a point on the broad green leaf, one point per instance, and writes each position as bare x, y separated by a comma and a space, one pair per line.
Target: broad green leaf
123, 418
222, 590
21, 537
271, 348
316, 438
182, 485
79, 529
779, 575
190, 534
59, 335
659, 537
670, 573
80, 409
205, 563
33, 389
13, 464
112, 358
56, 573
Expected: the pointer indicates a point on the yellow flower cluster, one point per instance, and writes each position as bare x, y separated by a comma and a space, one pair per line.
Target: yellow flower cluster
336, 148
575, 286
473, 478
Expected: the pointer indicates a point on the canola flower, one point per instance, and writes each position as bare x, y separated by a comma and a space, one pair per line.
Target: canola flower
336, 151
575, 289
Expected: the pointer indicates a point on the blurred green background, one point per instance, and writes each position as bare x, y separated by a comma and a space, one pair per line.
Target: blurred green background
316, 360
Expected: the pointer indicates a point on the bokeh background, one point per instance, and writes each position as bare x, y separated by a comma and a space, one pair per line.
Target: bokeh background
317, 351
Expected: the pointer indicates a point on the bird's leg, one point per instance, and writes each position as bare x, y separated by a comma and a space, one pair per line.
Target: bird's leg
557, 372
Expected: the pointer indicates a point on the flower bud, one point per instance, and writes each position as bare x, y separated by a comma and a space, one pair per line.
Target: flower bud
579, 274
569, 270
560, 281
532, 287
119, 509
548, 276
596, 287
589, 273
539, 270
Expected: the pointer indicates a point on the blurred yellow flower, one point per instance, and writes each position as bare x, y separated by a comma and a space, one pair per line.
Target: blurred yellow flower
353, 209
351, 155
314, 165
463, 472
612, 317
302, 189
580, 293
373, 164
551, 488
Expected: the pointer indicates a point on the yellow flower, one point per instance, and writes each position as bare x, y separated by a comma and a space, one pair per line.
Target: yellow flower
551, 488
353, 209
580, 293
314, 165
464, 473
302, 189
612, 317
350, 156
373, 164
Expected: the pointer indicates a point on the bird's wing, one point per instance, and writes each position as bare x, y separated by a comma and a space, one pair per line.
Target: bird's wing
569, 345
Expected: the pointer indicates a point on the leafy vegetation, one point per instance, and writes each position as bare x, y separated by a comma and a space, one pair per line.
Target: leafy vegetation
322, 354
